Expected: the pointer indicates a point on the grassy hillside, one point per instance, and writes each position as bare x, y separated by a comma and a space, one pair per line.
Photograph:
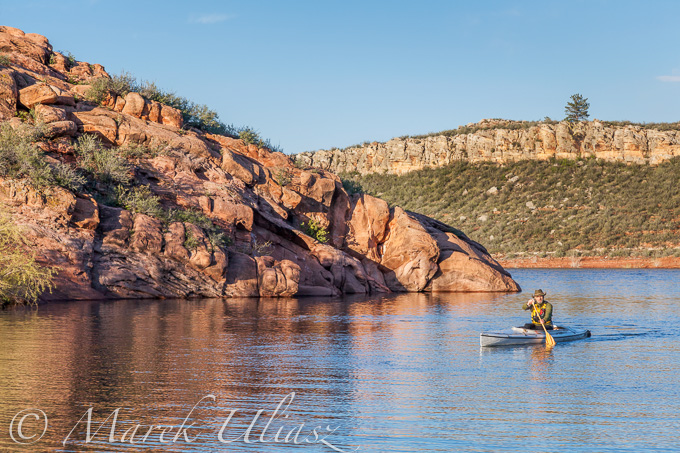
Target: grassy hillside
556, 207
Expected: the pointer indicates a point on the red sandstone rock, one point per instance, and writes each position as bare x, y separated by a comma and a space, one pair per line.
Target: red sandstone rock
8, 94
86, 214
277, 279
410, 254
34, 46
39, 93
60, 129
256, 198
241, 167
134, 105
49, 114
367, 225
147, 234
170, 116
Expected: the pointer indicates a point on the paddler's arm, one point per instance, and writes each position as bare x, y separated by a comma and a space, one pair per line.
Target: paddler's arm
526, 306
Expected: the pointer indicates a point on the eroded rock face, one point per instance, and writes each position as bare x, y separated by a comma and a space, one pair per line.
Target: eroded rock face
277, 279
259, 239
31, 45
410, 254
368, 226
543, 141
8, 94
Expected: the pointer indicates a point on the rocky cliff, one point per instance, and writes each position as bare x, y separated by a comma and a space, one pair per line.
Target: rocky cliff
257, 199
503, 141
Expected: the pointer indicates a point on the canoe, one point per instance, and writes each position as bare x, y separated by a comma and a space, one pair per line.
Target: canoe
522, 336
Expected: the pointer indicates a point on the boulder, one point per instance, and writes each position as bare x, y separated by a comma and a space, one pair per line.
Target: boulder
232, 213
317, 188
151, 111
241, 277
39, 93
96, 121
241, 167
171, 116
348, 274
59, 62
147, 234
61, 128
80, 90
410, 254
134, 105
218, 265
368, 221
49, 114
81, 71
277, 279
36, 47
64, 97
86, 214
464, 266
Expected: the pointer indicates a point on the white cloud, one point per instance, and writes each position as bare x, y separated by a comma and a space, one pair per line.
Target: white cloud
669, 78
209, 18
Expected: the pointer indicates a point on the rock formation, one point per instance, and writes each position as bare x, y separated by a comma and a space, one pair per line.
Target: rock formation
503, 141
258, 199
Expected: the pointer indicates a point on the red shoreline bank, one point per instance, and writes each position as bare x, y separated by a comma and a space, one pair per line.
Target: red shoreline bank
591, 262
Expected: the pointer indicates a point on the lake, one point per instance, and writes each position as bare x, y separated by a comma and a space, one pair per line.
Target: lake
388, 373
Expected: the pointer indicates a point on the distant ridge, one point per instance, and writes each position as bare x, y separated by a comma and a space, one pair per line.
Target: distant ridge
496, 140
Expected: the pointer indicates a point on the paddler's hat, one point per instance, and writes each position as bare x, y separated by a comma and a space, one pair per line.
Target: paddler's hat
539, 292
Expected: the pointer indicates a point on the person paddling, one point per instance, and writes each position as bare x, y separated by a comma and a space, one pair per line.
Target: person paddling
540, 309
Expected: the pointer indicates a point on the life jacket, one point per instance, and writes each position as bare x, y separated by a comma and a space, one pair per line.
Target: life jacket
540, 311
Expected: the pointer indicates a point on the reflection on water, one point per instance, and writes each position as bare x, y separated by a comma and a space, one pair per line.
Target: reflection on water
391, 373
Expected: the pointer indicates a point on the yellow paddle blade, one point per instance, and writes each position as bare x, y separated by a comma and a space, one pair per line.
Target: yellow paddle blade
549, 340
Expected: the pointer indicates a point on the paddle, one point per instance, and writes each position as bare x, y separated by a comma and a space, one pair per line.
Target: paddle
549, 340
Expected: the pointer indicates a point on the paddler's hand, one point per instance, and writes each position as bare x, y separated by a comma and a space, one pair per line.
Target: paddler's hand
530, 303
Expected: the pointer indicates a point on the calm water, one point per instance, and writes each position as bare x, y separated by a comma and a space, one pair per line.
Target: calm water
398, 373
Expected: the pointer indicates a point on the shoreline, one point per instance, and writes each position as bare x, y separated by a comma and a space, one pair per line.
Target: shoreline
591, 262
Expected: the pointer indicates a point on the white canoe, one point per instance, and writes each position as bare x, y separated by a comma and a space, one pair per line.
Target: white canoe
522, 336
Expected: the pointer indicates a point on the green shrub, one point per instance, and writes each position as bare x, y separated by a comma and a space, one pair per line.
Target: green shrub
139, 199
216, 237
352, 186
282, 176
249, 136
190, 242
20, 158
314, 229
105, 165
68, 178
219, 239
70, 59
140, 151
22, 280
119, 85
189, 216
4, 60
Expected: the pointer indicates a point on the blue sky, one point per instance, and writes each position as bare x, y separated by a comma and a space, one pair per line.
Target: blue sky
317, 74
